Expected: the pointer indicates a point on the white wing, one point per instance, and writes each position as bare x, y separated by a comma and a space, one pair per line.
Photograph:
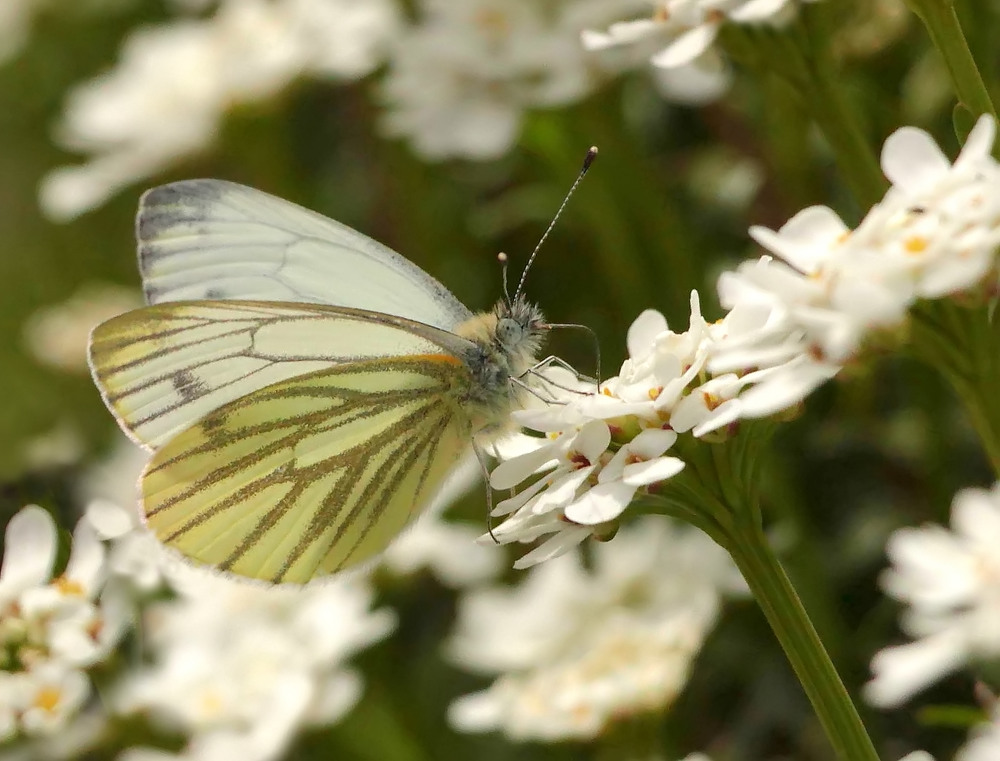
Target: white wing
210, 239
162, 368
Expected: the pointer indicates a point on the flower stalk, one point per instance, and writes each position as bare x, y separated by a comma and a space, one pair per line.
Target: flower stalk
723, 497
941, 22
790, 622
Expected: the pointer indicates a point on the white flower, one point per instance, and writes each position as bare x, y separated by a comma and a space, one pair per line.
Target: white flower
57, 335
951, 581
460, 78
798, 321
50, 629
577, 648
446, 549
240, 668
174, 83
109, 499
602, 449
985, 743
681, 33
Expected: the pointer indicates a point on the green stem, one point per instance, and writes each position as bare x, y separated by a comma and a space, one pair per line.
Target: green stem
790, 622
942, 24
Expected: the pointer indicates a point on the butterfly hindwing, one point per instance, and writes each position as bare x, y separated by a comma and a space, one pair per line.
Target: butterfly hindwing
312, 474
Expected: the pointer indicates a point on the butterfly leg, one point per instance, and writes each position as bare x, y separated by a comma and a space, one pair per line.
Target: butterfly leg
481, 456
551, 360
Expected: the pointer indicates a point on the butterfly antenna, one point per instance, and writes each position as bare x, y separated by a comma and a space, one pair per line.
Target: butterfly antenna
502, 258
587, 161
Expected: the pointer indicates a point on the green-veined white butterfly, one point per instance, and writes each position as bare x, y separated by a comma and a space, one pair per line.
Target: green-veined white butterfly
304, 390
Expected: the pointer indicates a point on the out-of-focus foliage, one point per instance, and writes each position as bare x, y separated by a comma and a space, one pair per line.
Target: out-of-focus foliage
663, 211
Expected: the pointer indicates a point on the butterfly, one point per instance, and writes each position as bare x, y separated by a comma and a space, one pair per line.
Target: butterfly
303, 389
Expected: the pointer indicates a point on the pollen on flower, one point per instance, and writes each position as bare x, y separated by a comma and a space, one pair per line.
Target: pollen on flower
711, 400
69, 587
915, 244
606, 391
654, 393
48, 699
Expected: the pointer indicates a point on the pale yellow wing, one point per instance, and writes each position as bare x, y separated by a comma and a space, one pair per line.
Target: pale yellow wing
162, 368
311, 475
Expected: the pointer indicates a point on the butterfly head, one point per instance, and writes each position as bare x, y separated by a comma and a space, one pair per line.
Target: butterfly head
518, 333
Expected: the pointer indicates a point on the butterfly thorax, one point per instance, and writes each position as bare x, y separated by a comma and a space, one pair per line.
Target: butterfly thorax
506, 342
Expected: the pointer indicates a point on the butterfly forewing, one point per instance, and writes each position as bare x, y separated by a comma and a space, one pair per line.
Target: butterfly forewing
164, 367
313, 474
210, 239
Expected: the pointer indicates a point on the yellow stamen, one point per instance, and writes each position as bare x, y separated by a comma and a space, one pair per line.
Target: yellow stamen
68, 587
48, 698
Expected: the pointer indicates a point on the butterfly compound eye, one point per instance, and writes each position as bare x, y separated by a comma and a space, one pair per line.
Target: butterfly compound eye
509, 332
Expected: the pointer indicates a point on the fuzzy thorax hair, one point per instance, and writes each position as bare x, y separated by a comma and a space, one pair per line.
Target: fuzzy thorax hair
506, 344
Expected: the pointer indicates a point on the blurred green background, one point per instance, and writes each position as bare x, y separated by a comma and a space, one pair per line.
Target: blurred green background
884, 448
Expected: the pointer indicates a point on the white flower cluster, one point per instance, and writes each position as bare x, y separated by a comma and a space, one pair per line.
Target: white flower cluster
951, 582
682, 32
578, 648
460, 79
791, 325
240, 669
175, 81
51, 629
934, 234
599, 450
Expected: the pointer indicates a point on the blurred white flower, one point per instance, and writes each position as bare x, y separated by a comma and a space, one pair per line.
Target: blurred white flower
241, 668
58, 447
951, 582
109, 498
677, 38
577, 647
174, 83
984, 744
57, 335
461, 77
51, 629
446, 549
